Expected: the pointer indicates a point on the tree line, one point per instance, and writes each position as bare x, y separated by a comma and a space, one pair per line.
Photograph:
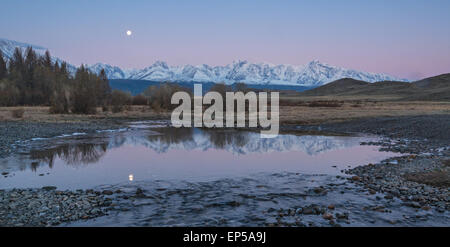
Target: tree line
29, 79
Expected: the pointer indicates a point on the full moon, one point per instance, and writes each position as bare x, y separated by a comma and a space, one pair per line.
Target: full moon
128, 32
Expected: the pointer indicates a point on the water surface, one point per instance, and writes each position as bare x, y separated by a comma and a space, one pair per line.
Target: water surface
151, 151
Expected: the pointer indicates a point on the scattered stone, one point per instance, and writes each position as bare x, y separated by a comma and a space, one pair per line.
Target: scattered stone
48, 188
107, 192
414, 204
318, 190
308, 211
140, 193
342, 215
327, 216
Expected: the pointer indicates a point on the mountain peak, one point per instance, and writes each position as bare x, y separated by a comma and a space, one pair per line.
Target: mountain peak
160, 63
239, 62
315, 61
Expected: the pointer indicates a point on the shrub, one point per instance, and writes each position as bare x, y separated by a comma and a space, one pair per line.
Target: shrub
59, 103
139, 100
56, 109
83, 99
159, 97
221, 88
116, 108
105, 108
119, 99
9, 93
446, 162
83, 104
325, 103
292, 102
17, 113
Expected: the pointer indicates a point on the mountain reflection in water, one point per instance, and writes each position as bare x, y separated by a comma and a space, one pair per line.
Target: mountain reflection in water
185, 153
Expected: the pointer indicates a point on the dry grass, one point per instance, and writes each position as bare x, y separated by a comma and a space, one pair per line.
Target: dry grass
41, 114
446, 163
325, 103
289, 114
439, 178
17, 113
351, 109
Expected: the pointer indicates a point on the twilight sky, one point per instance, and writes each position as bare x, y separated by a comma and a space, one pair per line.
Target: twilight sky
405, 38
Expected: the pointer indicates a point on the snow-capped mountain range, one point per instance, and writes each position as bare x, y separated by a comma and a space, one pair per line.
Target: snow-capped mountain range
312, 74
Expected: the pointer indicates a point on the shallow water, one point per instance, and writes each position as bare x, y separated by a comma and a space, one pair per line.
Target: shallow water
149, 151
259, 200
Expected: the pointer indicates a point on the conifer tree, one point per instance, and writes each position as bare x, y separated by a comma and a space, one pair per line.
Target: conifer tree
104, 90
47, 60
17, 63
30, 66
63, 69
3, 71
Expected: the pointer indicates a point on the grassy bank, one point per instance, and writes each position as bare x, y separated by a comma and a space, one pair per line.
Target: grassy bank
311, 110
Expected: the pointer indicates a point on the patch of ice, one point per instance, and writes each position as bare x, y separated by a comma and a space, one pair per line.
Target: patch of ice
112, 130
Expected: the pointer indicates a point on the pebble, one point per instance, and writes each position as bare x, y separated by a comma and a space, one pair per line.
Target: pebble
107, 192
327, 216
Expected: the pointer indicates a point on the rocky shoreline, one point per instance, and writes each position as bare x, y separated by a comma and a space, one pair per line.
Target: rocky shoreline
395, 179
420, 178
48, 206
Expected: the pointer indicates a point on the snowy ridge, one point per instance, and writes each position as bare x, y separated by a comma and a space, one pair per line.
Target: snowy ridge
8, 46
312, 74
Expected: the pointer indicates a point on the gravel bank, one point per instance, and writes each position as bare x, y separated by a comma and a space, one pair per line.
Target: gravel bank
430, 130
421, 177
12, 131
48, 206
393, 178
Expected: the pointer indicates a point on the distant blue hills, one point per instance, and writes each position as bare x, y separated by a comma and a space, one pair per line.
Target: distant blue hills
136, 87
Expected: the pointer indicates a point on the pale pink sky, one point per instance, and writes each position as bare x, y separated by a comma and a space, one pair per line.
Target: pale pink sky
404, 38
